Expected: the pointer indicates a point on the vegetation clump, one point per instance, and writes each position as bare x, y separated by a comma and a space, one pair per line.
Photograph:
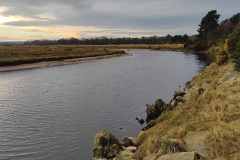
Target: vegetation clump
106, 146
234, 40
155, 110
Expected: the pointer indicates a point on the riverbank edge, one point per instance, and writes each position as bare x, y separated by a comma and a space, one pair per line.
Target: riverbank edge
111, 51
183, 128
44, 63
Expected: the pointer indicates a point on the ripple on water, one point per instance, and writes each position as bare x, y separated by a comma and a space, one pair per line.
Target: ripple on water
54, 113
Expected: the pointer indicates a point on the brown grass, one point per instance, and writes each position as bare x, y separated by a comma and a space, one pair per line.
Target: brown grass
21, 54
216, 112
147, 46
13, 55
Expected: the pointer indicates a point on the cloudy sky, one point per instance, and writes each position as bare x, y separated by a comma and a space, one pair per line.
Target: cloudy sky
53, 19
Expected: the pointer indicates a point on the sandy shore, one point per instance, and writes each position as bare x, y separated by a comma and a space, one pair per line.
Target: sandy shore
54, 63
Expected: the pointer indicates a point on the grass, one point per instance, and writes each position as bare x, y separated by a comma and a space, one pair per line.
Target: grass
223, 140
14, 55
215, 112
148, 46
22, 54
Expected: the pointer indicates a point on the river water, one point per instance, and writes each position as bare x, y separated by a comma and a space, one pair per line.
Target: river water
54, 113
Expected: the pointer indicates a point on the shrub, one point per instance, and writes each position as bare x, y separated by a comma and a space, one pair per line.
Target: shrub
220, 52
238, 46
234, 37
236, 55
155, 110
234, 47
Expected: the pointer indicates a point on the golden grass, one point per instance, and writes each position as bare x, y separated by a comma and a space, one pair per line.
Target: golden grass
148, 46
216, 112
12, 55
223, 140
19, 54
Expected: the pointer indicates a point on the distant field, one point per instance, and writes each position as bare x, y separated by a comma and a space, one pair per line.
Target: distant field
14, 55
23, 54
143, 46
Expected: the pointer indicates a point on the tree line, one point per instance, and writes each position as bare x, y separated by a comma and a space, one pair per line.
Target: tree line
107, 41
211, 31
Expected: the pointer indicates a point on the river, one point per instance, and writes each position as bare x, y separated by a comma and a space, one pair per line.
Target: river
53, 113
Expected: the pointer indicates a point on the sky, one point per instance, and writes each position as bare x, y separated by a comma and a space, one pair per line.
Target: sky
54, 19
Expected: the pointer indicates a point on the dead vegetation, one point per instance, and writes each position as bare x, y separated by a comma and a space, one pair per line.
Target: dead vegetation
211, 107
21, 54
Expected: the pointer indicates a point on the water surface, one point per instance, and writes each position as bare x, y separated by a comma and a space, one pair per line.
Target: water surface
54, 113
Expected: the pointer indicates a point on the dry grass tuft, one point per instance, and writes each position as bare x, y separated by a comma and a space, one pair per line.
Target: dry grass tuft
216, 109
223, 141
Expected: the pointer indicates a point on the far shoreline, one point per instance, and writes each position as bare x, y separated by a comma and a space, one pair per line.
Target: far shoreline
55, 63
25, 57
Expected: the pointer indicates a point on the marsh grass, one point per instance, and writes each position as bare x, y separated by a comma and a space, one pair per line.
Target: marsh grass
14, 55
21, 54
215, 111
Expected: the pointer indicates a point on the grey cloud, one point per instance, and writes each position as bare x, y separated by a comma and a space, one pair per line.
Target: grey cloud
128, 14
115, 21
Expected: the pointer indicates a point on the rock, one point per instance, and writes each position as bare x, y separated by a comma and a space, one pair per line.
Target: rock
151, 157
220, 158
128, 141
181, 156
125, 155
155, 110
195, 141
132, 149
106, 146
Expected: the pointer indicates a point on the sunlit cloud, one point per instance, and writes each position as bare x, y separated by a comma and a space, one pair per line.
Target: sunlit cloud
8, 19
11, 19
53, 19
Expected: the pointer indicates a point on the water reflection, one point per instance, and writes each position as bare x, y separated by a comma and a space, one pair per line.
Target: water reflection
53, 113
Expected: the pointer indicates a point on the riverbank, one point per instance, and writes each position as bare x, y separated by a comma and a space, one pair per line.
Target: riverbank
21, 57
202, 122
22, 54
172, 47
206, 119
46, 64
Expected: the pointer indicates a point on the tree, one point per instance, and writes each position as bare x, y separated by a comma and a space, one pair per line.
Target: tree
235, 19
208, 26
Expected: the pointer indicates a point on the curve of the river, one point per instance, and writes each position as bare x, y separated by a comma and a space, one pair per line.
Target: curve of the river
54, 113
